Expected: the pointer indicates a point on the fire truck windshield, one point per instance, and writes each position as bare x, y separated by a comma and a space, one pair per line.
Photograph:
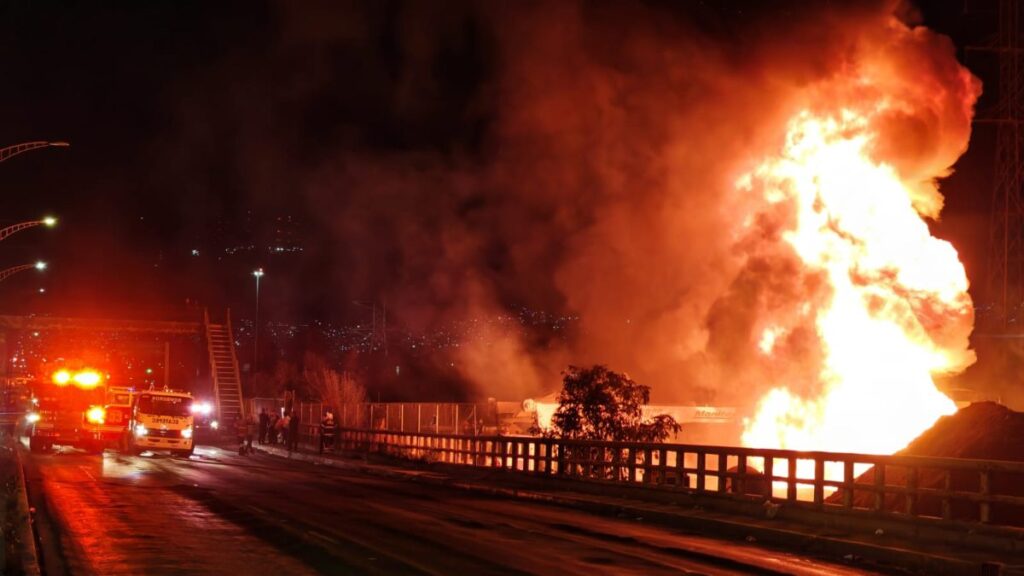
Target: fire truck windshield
165, 405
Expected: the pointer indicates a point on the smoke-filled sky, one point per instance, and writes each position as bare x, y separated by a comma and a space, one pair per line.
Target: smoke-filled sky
456, 160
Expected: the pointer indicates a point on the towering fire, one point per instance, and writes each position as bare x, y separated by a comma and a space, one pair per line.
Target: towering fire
894, 306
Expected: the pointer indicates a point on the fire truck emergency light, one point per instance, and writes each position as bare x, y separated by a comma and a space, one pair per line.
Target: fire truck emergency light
86, 379
96, 415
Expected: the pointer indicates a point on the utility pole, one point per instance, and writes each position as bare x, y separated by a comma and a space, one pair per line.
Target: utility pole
378, 336
1005, 281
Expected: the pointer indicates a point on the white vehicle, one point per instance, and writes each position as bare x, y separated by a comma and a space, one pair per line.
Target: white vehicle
161, 421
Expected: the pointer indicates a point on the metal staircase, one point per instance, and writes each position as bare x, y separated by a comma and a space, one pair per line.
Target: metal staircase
227, 385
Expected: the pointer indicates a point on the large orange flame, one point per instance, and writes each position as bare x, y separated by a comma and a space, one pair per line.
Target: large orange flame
891, 285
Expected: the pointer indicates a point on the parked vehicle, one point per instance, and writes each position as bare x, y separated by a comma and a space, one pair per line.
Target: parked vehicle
67, 410
161, 421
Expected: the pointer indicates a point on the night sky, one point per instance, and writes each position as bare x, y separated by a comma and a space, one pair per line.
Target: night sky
193, 127
213, 126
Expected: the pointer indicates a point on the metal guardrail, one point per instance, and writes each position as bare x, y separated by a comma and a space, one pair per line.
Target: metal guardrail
910, 487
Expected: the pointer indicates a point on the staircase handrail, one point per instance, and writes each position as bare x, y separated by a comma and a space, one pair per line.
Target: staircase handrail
234, 364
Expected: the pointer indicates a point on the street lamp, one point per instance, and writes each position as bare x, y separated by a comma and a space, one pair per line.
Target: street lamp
12, 151
258, 273
4, 275
48, 221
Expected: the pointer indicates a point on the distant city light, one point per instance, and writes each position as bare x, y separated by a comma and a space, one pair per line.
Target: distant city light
50, 221
195, 252
258, 272
42, 290
434, 344
40, 265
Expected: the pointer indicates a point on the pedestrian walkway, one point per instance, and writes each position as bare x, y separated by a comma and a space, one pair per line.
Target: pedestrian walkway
872, 551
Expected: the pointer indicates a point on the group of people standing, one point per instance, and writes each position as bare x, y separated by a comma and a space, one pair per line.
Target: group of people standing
274, 429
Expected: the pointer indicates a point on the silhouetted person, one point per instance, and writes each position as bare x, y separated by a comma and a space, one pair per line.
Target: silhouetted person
284, 425
264, 425
276, 425
241, 428
293, 432
250, 431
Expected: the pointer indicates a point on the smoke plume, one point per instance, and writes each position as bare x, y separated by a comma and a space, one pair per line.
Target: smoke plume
586, 159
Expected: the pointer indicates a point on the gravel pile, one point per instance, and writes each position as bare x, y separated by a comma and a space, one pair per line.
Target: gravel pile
984, 431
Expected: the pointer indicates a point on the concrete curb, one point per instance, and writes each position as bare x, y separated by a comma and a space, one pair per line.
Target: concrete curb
878, 555
26, 534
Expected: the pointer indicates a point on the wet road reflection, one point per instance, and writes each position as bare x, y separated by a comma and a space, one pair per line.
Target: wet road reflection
120, 515
219, 513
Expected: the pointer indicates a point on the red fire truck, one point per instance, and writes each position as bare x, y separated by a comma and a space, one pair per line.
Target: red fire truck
105, 425
75, 408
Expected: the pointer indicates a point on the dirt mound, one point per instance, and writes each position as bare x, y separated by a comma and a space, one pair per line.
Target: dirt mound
984, 431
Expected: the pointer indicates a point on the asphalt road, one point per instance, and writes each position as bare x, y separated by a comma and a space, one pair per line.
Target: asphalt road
219, 513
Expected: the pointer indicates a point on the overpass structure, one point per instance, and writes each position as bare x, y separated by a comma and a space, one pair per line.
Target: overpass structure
56, 324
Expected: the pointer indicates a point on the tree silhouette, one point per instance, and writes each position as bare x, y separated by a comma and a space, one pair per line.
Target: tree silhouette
599, 404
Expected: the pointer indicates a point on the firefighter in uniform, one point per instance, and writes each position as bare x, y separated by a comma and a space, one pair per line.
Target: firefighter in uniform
327, 431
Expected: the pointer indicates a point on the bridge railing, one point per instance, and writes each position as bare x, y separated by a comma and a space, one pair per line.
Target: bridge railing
939, 489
